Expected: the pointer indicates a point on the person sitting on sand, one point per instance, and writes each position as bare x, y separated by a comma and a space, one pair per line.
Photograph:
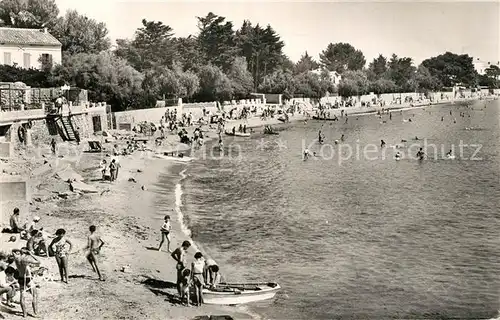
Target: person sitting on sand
23, 260
9, 285
61, 247
15, 226
179, 255
36, 244
165, 232
94, 245
197, 269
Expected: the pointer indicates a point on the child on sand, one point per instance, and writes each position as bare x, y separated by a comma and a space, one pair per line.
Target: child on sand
94, 245
165, 233
185, 285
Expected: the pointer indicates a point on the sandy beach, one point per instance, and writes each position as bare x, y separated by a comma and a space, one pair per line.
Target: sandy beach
124, 213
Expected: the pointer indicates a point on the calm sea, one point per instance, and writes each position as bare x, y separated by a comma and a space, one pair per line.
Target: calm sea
366, 237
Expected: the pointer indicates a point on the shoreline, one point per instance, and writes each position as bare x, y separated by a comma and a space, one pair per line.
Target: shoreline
128, 219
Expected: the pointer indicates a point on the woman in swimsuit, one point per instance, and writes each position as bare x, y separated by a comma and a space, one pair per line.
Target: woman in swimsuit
165, 233
61, 247
197, 268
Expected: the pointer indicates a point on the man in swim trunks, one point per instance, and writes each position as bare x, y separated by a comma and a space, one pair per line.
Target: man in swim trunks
94, 246
179, 256
23, 260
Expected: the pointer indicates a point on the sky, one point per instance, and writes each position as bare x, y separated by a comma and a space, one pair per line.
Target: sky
410, 29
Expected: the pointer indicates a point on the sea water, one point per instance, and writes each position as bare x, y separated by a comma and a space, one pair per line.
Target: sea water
365, 237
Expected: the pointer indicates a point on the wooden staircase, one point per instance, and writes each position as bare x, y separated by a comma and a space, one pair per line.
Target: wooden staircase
68, 129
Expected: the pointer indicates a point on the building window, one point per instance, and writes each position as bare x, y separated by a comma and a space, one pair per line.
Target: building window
6, 58
46, 61
27, 60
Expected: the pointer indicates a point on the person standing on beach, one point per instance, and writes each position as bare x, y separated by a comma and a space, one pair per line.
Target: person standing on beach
77, 136
197, 269
165, 233
23, 260
61, 247
104, 168
112, 169
179, 255
53, 145
94, 245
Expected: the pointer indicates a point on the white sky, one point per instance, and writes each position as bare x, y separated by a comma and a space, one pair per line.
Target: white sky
413, 29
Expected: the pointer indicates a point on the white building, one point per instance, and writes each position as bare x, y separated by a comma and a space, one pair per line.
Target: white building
28, 48
335, 77
481, 66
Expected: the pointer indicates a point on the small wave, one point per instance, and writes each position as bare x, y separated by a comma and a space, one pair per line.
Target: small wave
178, 206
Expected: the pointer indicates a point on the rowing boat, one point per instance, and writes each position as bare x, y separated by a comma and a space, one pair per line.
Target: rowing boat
165, 157
238, 134
324, 119
239, 293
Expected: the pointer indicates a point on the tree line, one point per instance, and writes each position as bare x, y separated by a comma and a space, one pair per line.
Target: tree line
220, 62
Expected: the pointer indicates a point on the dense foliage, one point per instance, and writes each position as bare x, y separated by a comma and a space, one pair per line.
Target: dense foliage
220, 62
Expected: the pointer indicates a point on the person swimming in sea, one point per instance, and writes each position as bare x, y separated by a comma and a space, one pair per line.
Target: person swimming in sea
320, 137
450, 155
307, 154
420, 154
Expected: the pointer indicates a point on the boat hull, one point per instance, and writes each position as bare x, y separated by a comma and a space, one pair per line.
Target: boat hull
239, 296
238, 134
324, 119
179, 159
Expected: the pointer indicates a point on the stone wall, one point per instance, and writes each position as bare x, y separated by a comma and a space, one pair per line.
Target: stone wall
44, 130
13, 95
125, 118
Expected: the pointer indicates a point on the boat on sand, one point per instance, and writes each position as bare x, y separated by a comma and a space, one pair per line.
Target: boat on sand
238, 134
239, 293
174, 158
